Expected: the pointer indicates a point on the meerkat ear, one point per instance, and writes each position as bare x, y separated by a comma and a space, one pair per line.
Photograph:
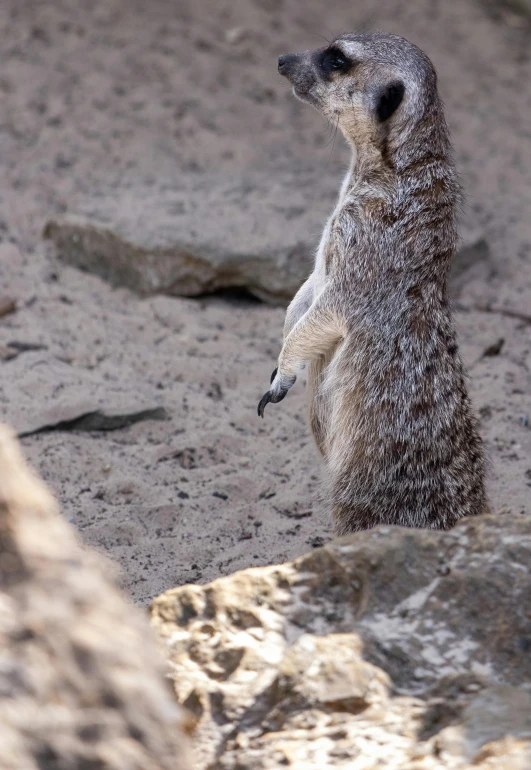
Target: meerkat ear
389, 99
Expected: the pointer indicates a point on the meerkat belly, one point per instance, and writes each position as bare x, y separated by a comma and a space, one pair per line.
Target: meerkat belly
323, 395
320, 271
324, 261
320, 401
402, 447
319, 398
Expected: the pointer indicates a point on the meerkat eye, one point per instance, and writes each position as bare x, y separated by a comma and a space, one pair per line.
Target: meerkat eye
334, 60
337, 61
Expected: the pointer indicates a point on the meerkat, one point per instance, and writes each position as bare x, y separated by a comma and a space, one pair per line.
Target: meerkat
389, 408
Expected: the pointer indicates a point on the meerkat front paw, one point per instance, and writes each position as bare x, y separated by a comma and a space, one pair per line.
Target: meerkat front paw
279, 387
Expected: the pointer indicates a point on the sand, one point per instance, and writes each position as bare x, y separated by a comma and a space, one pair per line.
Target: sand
101, 94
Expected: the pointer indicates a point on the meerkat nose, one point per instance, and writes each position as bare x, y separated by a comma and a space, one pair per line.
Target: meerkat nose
284, 61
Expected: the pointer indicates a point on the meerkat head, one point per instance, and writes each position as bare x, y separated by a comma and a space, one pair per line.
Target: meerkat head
368, 84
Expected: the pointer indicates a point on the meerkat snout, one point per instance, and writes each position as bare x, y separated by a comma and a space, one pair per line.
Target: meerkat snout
297, 68
284, 62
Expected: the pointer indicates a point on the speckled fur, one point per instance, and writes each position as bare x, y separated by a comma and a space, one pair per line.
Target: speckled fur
389, 407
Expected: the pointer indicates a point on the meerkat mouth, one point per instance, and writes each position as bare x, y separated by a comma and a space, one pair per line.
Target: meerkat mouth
304, 95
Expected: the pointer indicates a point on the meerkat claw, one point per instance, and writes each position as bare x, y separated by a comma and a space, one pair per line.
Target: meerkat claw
266, 398
272, 397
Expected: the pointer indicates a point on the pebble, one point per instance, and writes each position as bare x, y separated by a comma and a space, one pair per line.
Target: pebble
7, 305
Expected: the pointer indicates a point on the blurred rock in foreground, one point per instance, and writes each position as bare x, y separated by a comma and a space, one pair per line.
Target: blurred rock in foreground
391, 649
81, 686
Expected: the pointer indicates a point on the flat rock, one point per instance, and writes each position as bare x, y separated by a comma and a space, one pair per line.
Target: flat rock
200, 235
395, 648
90, 419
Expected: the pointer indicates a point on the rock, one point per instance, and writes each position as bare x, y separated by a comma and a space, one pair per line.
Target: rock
494, 349
26, 347
7, 305
389, 648
8, 353
97, 420
81, 682
13, 349
200, 235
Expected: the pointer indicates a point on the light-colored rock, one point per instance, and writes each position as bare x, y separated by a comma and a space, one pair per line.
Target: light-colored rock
391, 648
81, 685
195, 236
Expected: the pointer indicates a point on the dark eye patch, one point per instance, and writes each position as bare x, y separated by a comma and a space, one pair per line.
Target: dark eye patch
389, 100
333, 60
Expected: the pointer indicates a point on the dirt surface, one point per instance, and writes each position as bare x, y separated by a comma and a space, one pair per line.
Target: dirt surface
105, 94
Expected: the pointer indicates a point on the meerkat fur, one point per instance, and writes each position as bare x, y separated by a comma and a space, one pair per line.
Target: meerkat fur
388, 401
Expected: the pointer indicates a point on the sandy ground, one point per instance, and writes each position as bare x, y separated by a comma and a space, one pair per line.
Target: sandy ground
92, 93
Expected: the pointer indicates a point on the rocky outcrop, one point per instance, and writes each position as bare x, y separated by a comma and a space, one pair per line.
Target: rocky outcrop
391, 648
81, 686
196, 236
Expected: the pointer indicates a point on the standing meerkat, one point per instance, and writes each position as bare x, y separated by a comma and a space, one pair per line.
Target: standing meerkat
389, 407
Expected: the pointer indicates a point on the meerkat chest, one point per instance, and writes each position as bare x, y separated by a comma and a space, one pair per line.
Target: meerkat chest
322, 261
332, 247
